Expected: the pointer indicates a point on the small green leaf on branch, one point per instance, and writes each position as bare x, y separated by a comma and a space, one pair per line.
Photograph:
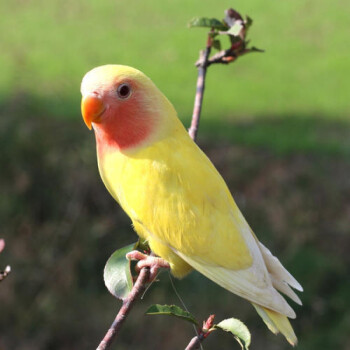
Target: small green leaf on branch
248, 22
236, 30
216, 45
207, 23
142, 246
117, 274
235, 27
238, 329
171, 310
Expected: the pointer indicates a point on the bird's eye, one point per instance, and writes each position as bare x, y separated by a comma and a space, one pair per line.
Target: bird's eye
124, 91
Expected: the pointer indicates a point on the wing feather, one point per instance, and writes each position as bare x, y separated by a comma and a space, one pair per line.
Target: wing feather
251, 284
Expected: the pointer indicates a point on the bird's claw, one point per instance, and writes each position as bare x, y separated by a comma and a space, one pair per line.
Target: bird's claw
154, 263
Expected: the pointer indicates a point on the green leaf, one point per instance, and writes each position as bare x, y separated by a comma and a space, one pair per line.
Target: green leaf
207, 23
217, 45
117, 274
238, 329
171, 310
142, 245
213, 34
236, 30
248, 22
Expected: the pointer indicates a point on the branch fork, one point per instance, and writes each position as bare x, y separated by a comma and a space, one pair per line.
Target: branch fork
202, 334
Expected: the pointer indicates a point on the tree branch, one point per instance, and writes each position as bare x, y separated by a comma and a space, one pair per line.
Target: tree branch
195, 342
128, 303
227, 56
224, 57
202, 65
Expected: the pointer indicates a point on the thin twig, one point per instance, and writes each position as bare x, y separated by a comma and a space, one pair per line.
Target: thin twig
227, 56
196, 341
197, 108
128, 303
204, 61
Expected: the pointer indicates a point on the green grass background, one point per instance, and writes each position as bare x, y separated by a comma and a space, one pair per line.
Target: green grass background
275, 124
47, 46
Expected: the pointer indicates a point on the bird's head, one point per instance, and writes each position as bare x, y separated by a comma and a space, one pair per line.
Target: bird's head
123, 106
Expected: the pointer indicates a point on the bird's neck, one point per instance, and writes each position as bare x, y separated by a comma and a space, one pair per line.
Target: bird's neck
120, 138
128, 132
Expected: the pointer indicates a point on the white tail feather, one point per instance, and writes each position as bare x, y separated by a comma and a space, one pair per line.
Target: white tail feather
277, 270
285, 289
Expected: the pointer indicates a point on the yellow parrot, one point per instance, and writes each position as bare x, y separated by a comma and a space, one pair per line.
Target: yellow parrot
174, 195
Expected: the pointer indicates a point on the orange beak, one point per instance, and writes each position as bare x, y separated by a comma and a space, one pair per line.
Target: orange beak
92, 107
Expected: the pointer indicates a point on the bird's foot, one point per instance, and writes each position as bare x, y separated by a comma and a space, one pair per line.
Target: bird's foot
154, 263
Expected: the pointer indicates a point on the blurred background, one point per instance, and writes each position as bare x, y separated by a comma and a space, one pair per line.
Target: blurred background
275, 124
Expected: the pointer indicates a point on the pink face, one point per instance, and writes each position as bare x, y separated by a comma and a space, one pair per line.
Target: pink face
119, 110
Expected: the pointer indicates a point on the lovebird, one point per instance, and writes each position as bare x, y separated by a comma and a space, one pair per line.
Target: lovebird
176, 199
